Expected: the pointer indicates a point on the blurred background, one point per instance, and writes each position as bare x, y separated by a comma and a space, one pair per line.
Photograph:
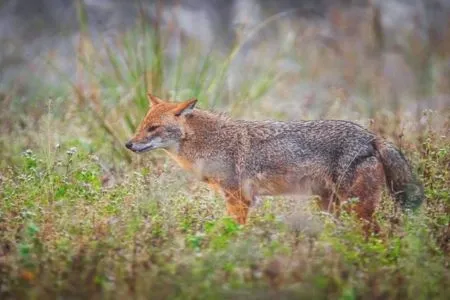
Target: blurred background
94, 60
82, 217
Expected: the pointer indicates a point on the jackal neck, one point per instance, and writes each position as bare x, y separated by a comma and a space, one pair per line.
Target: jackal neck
201, 128
204, 123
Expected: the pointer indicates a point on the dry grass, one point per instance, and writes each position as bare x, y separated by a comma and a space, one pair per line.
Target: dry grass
80, 217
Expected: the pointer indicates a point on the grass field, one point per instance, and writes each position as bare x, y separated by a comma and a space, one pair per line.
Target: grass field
80, 217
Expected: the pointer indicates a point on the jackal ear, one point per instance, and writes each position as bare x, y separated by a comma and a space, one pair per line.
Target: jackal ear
185, 108
153, 100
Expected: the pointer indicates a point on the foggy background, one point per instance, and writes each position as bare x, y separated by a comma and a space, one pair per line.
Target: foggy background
403, 44
83, 217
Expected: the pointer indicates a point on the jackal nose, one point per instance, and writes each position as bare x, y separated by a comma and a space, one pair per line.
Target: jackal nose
129, 144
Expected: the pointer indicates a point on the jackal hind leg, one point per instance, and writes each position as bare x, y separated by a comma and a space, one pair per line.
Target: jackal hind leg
326, 199
237, 205
366, 183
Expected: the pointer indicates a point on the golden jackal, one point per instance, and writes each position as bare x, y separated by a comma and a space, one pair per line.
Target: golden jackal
336, 160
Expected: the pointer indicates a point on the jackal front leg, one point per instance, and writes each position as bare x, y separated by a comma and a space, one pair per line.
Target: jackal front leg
237, 205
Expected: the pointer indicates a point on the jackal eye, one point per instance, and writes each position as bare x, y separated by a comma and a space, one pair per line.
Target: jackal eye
152, 128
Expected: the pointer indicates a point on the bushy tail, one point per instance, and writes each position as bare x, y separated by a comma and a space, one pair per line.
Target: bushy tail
401, 181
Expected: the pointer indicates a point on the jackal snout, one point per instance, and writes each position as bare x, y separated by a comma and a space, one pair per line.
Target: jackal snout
139, 147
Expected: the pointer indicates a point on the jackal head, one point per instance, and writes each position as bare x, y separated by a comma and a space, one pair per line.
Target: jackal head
163, 126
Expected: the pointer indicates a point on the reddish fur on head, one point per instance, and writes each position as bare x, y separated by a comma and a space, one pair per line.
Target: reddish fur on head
163, 125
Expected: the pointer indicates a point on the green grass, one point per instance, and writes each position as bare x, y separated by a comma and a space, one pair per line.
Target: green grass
80, 217
67, 232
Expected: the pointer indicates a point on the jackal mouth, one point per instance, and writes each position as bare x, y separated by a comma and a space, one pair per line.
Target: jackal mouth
144, 149
139, 148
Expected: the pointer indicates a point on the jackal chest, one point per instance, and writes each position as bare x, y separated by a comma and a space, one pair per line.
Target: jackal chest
210, 170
